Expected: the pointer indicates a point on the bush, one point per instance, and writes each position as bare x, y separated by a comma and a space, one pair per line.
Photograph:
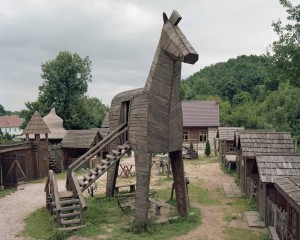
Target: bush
207, 149
191, 145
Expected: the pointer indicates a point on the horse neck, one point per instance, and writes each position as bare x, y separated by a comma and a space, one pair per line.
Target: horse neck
164, 76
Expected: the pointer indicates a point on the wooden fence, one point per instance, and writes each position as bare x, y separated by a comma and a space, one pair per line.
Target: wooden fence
277, 218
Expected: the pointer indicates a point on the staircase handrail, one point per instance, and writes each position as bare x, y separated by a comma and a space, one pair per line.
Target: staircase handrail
78, 191
94, 150
51, 180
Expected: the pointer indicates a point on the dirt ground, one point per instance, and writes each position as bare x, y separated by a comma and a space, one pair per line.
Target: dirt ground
213, 217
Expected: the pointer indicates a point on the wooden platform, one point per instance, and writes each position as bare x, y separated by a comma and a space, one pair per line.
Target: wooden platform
232, 190
253, 219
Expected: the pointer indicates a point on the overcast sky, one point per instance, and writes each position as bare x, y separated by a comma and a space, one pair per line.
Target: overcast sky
120, 38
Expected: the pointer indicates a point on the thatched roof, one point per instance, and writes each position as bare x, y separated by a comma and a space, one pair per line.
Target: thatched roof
55, 124
80, 138
274, 166
36, 125
227, 133
264, 142
289, 187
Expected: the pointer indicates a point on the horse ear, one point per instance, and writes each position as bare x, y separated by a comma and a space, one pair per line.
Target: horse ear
175, 18
165, 17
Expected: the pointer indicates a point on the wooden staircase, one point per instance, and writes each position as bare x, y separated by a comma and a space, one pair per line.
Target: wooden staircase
96, 172
68, 206
57, 168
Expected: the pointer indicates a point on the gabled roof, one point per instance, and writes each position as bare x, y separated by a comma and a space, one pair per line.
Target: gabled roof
252, 143
227, 133
10, 121
36, 125
289, 187
55, 124
200, 113
273, 166
80, 138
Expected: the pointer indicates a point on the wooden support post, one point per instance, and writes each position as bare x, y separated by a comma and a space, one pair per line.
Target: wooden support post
179, 183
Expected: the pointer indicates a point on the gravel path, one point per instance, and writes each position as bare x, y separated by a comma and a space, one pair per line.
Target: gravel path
14, 208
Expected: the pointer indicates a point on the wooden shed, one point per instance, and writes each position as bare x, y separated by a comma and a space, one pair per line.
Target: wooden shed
270, 167
78, 142
200, 122
225, 144
250, 143
288, 207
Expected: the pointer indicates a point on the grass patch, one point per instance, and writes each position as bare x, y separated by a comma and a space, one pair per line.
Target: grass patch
7, 191
163, 180
234, 233
232, 173
104, 218
204, 196
202, 160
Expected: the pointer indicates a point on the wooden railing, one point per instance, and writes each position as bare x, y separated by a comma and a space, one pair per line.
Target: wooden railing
98, 148
52, 188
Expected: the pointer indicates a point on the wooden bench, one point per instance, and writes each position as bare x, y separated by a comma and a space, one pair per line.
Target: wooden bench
157, 205
126, 202
131, 188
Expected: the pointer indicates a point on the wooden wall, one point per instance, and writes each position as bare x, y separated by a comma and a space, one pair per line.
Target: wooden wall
25, 161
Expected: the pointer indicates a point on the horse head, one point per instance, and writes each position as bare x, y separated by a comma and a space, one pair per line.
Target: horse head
173, 41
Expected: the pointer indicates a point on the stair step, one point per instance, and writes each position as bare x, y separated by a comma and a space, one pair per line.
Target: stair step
71, 221
81, 183
71, 228
123, 147
65, 194
104, 161
110, 157
69, 208
64, 202
70, 201
89, 178
67, 215
116, 152
93, 172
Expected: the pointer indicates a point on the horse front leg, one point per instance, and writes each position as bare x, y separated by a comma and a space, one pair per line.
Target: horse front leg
179, 182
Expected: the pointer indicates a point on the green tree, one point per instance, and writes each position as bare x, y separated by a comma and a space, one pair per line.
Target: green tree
66, 83
207, 149
285, 52
2, 111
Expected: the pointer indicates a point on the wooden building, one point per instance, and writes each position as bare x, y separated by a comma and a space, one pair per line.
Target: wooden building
268, 168
200, 122
225, 145
28, 160
78, 142
250, 143
287, 218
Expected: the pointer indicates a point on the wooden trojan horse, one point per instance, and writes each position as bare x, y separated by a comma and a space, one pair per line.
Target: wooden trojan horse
154, 117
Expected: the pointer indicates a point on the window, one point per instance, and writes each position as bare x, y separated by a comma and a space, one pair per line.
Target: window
185, 135
202, 136
231, 147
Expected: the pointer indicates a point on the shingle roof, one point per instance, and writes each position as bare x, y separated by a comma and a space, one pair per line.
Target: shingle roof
80, 138
55, 124
105, 122
273, 166
200, 113
10, 121
265, 142
289, 187
227, 132
36, 125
